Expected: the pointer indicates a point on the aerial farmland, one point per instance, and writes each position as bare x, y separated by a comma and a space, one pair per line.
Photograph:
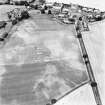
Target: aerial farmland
41, 61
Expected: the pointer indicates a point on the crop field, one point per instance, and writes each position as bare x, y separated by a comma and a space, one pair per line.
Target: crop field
40, 61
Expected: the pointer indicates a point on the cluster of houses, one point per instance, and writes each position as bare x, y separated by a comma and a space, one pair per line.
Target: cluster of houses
70, 12
66, 13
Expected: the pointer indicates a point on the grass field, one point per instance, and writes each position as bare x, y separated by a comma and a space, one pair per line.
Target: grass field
41, 60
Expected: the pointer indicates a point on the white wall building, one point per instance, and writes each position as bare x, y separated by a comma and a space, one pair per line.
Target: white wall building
90, 3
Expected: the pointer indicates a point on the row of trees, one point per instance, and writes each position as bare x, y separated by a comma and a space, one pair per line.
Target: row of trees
29, 1
21, 1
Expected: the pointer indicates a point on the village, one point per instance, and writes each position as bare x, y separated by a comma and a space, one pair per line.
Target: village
65, 13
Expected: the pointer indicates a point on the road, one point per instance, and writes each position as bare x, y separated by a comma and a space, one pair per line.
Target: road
93, 82
94, 41
95, 45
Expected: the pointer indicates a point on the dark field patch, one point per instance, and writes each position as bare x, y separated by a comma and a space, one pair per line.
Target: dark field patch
18, 82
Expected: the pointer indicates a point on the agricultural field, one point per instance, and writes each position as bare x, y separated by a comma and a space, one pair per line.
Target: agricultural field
94, 41
40, 61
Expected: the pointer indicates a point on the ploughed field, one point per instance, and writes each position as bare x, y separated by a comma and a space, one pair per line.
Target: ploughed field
41, 61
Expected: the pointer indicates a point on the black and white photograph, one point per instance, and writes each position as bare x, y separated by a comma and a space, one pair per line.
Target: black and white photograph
52, 52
